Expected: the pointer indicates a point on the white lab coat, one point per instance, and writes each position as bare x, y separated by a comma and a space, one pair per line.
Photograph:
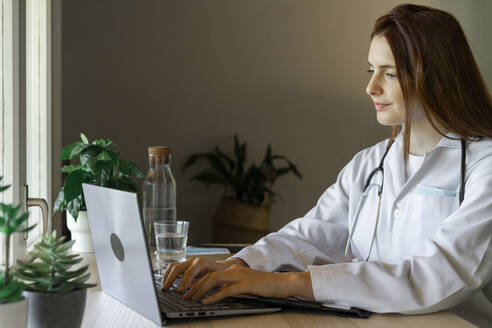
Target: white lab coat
430, 253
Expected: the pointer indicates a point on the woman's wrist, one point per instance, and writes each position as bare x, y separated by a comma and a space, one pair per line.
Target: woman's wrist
298, 284
234, 261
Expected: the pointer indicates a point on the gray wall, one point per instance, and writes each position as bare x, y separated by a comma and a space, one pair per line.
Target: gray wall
190, 74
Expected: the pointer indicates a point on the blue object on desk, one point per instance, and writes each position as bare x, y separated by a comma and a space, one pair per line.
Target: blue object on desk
193, 251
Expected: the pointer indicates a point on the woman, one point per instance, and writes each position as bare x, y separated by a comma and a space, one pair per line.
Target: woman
420, 240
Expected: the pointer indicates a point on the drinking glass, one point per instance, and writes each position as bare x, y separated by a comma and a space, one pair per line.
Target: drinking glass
171, 238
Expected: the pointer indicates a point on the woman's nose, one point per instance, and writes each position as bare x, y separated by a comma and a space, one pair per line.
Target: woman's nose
373, 88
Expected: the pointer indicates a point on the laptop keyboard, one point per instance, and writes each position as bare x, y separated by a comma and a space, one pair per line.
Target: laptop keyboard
175, 300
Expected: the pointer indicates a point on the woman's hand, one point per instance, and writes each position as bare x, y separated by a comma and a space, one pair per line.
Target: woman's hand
192, 268
241, 280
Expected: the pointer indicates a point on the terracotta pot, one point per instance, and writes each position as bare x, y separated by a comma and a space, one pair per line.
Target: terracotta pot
14, 315
239, 222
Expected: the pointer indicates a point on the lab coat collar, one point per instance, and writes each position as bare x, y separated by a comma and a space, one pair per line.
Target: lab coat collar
450, 141
398, 165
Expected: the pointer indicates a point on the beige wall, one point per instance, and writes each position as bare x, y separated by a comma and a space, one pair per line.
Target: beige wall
190, 74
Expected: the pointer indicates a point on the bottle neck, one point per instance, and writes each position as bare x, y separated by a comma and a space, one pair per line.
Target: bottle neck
159, 162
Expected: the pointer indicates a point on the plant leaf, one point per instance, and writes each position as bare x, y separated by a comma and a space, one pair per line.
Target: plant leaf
81, 280
21, 219
268, 156
68, 150
91, 151
104, 143
108, 155
226, 158
72, 274
60, 203
103, 171
11, 292
75, 206
130, 169
209, 177
84, 138
193, 158
281, 171
73, 184
71, 168
27, 229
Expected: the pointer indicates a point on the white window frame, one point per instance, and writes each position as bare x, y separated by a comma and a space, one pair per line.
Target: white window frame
38, 111
13, 94
19, 121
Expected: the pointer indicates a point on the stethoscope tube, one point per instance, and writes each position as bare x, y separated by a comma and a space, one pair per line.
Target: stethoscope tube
368, 186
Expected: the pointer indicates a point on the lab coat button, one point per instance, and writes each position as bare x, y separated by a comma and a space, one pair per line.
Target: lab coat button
397, 213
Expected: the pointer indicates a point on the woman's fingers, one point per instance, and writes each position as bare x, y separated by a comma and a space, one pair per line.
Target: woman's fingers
197, 266
234, 289
206, 283
169, 269
198, 285
190, 269
241, 281
173, 271
211, 280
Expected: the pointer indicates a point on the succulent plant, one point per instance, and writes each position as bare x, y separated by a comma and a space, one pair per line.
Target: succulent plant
50, 271
10, 222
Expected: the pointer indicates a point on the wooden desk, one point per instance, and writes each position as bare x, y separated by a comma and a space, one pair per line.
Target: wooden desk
102, 311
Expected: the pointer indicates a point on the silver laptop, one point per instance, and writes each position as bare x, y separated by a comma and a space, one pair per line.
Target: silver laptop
124, 264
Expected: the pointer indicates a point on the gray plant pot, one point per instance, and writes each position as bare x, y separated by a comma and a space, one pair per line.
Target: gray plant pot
56, 310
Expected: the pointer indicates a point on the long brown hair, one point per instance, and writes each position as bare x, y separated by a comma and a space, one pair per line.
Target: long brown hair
435, 65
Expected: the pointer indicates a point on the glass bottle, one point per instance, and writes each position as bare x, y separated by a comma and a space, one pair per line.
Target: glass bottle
159, 190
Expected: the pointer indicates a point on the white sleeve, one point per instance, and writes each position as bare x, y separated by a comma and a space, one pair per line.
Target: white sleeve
460, 265
318, 237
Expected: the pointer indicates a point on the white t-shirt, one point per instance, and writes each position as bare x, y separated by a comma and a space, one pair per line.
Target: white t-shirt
412, 165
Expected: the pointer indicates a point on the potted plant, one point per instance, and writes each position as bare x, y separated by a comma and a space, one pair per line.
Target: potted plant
243, 213
56, 293
97, 164
13, 306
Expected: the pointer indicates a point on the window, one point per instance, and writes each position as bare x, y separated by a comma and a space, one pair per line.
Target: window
38, 152
25, 109
6, 105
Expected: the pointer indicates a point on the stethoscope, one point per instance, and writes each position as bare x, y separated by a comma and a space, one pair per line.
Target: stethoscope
368, 186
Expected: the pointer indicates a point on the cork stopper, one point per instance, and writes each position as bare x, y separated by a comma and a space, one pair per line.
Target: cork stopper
160, 153
159, 150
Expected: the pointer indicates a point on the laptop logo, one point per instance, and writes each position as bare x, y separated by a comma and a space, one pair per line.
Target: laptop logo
117, 247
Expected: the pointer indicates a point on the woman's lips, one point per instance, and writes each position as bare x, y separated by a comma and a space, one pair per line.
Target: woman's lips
380, 106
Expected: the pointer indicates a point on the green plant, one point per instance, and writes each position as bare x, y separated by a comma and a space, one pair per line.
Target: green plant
10, 222
253, 185
49, 270
98, 165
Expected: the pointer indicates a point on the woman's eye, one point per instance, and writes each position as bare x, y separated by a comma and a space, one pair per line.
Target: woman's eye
370, 71
390, 75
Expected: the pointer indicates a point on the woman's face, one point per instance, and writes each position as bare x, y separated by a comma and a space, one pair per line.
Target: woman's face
384, 87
